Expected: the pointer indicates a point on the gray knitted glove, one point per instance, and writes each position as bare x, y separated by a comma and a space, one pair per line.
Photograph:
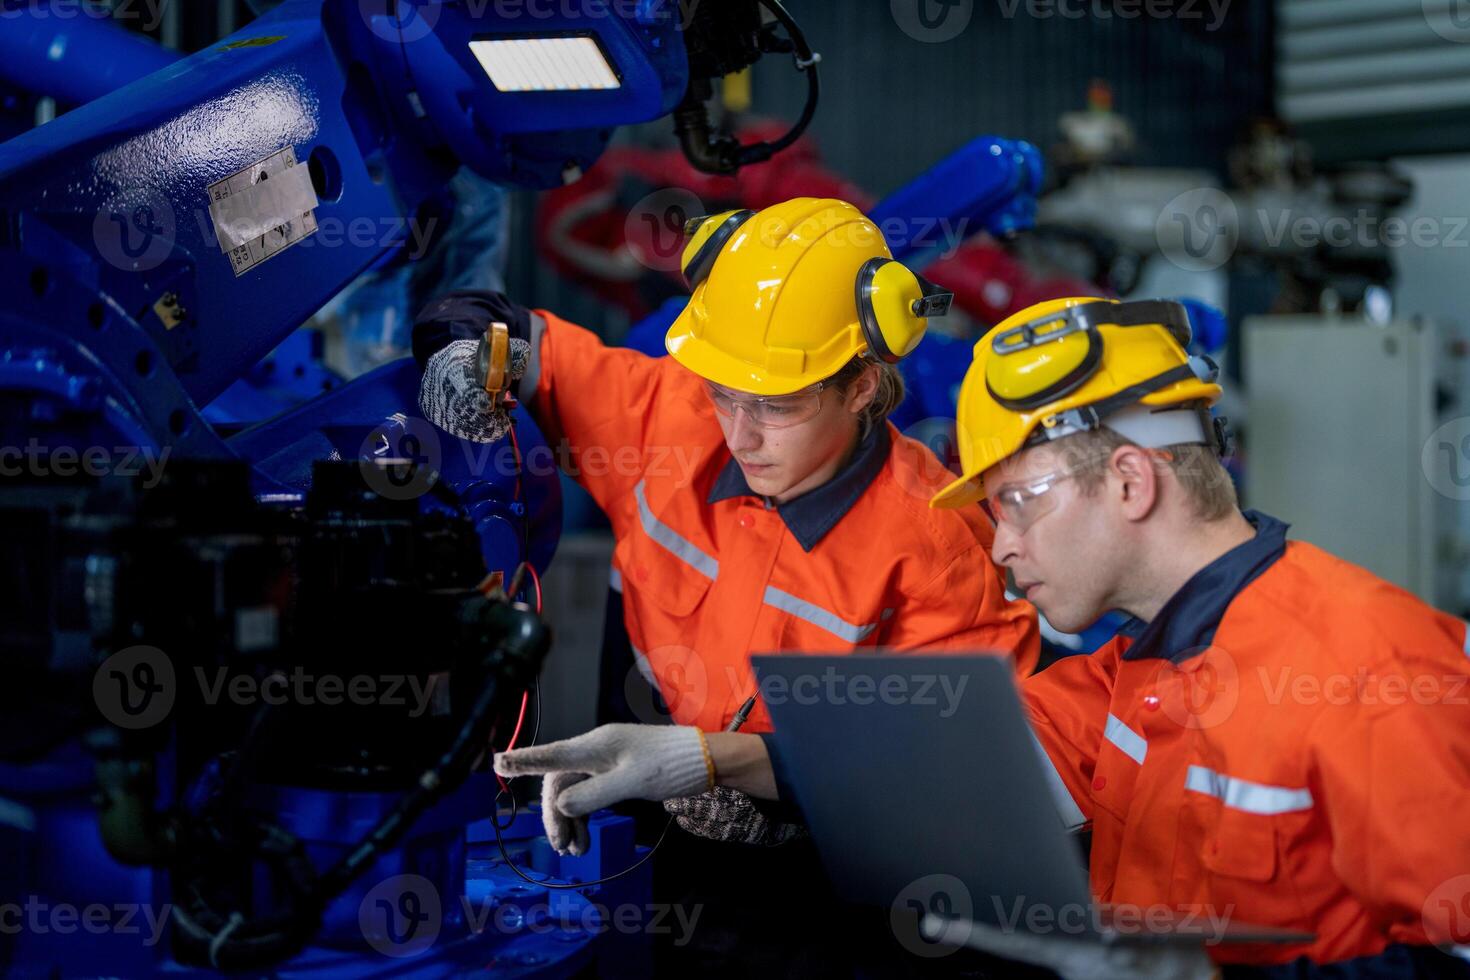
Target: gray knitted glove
613, 763
452, 397
729, 815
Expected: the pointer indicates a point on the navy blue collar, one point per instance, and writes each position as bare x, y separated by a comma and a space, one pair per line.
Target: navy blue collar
810, 516
1186, 625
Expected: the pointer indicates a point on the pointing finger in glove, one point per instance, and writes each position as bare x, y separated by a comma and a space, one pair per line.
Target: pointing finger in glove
623, 762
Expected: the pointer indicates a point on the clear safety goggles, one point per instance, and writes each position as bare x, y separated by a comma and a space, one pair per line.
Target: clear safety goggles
1021, 503
768, 412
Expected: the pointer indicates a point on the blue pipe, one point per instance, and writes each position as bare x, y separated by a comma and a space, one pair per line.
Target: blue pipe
72, 51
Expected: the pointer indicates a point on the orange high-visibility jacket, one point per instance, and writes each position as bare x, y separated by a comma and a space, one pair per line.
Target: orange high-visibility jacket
710, 575
1287, 744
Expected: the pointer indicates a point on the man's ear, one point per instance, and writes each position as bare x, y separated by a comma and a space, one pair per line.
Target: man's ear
863, 390
1133, 477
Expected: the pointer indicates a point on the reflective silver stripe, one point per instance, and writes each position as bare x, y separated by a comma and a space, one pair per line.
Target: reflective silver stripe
532, 377
615, 579
644, 667
1067, 808
1241, 794
1132, 744
683, 549
817, 616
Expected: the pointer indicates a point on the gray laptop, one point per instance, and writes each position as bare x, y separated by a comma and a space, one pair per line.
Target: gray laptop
924, 789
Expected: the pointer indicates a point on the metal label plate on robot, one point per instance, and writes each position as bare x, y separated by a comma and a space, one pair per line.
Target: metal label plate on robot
283, 212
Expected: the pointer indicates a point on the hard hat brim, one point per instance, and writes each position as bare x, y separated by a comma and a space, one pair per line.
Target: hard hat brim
962, 492
713, 364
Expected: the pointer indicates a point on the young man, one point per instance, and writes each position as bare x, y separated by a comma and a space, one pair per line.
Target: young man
759, 497
1279, 737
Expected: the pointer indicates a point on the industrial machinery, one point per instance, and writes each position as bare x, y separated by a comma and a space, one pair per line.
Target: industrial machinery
256, 673
1379, 415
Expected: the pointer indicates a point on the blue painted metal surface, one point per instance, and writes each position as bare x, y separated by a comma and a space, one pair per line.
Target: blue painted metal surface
124, 318
58, 878
112, 199
289, 375
989, 184
532, 138
73, 52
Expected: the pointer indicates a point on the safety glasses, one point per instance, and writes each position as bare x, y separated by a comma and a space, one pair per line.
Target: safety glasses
1039, 361
1020, 504
773, 412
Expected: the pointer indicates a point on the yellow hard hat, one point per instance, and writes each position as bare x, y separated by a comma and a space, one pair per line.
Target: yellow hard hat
1073, 365
785, 297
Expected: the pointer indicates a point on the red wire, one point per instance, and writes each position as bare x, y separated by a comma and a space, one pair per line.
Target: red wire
515, 444
520, 720
536, 581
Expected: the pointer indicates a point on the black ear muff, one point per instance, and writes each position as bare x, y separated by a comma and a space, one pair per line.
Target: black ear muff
894, 305
716, 231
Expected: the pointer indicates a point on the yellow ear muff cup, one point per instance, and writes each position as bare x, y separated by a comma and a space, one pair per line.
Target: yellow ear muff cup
887, 293
709, 236
1031, 377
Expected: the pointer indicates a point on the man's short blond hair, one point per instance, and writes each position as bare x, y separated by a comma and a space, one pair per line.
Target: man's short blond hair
1206, 483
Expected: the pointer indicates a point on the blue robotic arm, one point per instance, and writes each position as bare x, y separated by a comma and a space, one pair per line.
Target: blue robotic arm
155, 244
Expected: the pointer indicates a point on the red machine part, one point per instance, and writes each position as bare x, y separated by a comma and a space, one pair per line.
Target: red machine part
584, 232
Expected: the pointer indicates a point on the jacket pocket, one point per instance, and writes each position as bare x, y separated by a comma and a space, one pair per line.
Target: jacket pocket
1241, 846
655, 576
